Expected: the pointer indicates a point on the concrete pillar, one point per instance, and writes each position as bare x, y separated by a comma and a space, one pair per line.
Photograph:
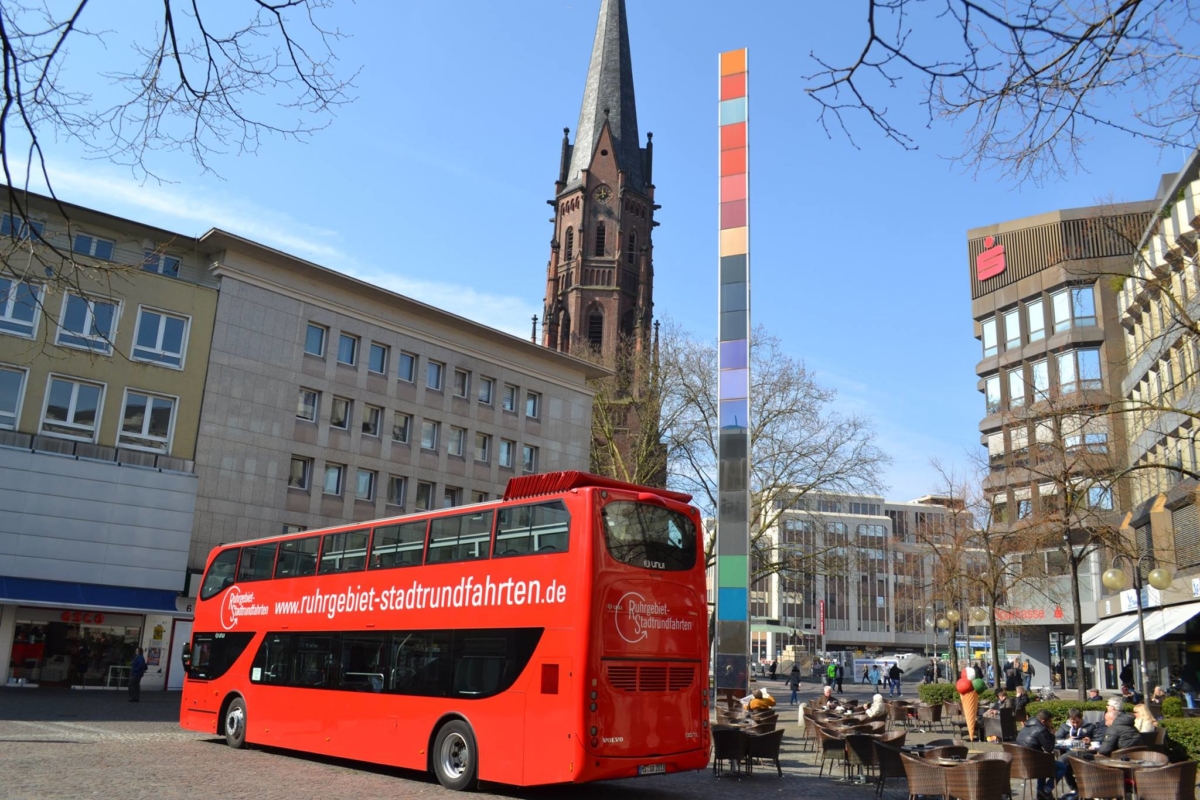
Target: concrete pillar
8, 629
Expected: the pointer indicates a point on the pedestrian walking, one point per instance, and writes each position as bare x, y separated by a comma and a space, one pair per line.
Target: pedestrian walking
794, 683
1027, 672
837, 676
136, 670
894, 680
866, 676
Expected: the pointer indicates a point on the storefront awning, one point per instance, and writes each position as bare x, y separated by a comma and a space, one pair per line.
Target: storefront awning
765, 627
113, 599
1123, 629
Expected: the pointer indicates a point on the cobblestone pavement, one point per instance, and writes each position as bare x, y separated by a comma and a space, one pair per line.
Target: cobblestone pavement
63, 744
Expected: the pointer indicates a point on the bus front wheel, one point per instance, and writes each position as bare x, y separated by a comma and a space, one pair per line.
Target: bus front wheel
235, 723
455, 756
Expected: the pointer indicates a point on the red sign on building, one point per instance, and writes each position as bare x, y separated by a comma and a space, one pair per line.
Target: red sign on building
990, 262
821, 613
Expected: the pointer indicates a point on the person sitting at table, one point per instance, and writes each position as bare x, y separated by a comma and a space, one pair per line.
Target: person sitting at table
1074, 728
877, 709
1157, 696
761, 700
1021, 700
1120, 734
827, 701
1063, 770
1002, 701
1143, 720
1036, 735
1093, 696
1129, 695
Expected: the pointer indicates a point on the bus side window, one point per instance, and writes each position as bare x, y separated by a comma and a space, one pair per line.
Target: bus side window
541, 528
220, 574
398, 546
258, 562
344, 552
463, 537
297, 558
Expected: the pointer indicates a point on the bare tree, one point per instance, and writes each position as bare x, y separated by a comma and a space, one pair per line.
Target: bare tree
1026, 80
197, 79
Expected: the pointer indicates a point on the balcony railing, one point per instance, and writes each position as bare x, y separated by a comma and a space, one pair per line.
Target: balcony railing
86, 451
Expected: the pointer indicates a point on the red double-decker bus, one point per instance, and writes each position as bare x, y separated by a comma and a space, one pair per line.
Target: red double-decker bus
558, 635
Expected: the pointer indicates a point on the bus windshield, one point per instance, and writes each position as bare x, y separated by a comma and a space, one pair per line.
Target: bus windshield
650, 536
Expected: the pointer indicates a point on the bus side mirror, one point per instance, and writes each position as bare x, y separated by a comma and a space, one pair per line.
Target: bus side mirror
186, 654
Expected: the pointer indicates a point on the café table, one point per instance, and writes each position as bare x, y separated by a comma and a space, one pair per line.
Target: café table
1127, 765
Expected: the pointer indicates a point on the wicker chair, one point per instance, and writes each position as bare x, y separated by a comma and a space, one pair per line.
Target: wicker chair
929, 716
1155, 757
830, 747
979, 780
764, 747
887, 764
924, 779
810, 733
860, 754
893, 739
1097, 782
729, 744
953, 751
897, 713
1029, 764
1176, 782
944, 743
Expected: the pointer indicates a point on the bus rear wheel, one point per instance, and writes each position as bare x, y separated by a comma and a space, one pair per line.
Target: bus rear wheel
235, 723
455, 756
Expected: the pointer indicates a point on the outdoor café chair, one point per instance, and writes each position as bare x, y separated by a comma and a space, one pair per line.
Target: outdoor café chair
830, 747
953, 751
887, 764
860, 754
1029, 764
1176, 782
729, 744
928, 716
1097, 782
897, 714
893, 739
979, 780
1155, 757
764, 747
924, 779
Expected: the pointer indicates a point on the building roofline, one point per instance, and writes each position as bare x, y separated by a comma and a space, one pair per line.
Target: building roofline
1189, 173
76, 211
1059, 215
216, 239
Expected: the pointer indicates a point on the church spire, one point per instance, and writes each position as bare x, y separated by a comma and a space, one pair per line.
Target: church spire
608, 96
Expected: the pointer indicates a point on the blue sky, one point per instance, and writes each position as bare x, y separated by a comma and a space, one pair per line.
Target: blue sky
434, 181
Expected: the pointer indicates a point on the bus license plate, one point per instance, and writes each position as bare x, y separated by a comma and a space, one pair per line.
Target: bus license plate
652, 769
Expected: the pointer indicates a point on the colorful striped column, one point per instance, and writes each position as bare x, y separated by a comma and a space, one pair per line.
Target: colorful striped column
732, 673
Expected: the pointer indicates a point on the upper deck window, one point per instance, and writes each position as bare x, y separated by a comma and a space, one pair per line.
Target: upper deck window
541, 528
650, 536
297, 557
460, 538
398, 545
220, 574
344, 552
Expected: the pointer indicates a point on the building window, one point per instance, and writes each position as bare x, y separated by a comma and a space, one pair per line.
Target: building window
533, 404
424, 496
72, 409
1100, 498
433, 375
160, 338
596, 329
1040, 372
307, 404
1016, 387
364, 485
506, 452
992, 392
988, 327
429, 434
483, 447
1024, 508
1037, 320
631, 250
12, 391
347, 349
300, 473
1012, 329
335, 474
314, 340
457, 441
397, 487
479, 497
339, 415
161, 263
402, 428
294, 528
146, 422
19, 306
377, 359
529, 458
509, 401
408, 367
1078, 369
372, 417
486, 387
570, 248
462, 382
1075, 307
451, 497
88, 323
93, 246
599, 251
1000, 509
19, 228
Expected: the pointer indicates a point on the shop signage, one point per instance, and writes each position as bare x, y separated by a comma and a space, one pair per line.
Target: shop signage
1150, 597
990, 262
86, 617
1195, 587
1020, 614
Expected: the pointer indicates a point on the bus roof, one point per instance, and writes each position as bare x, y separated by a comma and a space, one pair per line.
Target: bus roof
554, 482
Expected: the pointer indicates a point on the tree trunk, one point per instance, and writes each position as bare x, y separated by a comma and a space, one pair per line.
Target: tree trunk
994, 640
1077, 611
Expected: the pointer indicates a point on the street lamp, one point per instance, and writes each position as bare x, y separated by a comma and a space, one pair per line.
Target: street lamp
1114, 578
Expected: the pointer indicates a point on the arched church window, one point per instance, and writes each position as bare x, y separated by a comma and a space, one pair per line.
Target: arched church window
631, 249
599, 239
570, 240
596, 328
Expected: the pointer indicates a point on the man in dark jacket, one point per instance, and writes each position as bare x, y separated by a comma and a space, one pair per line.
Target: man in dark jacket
1021, 700
894, 675
136, 670
1120, 734
1036, 735
1075, 727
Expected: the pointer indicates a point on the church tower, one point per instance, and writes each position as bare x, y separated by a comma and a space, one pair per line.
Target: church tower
600, 278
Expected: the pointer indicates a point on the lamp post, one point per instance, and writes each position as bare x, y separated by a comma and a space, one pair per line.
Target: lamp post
953, 617
1114, 578
944, 624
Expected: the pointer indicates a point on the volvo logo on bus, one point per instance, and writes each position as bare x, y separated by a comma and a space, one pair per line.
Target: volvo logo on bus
237, 604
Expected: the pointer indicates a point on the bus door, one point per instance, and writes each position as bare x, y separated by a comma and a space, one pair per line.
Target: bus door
551, 727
